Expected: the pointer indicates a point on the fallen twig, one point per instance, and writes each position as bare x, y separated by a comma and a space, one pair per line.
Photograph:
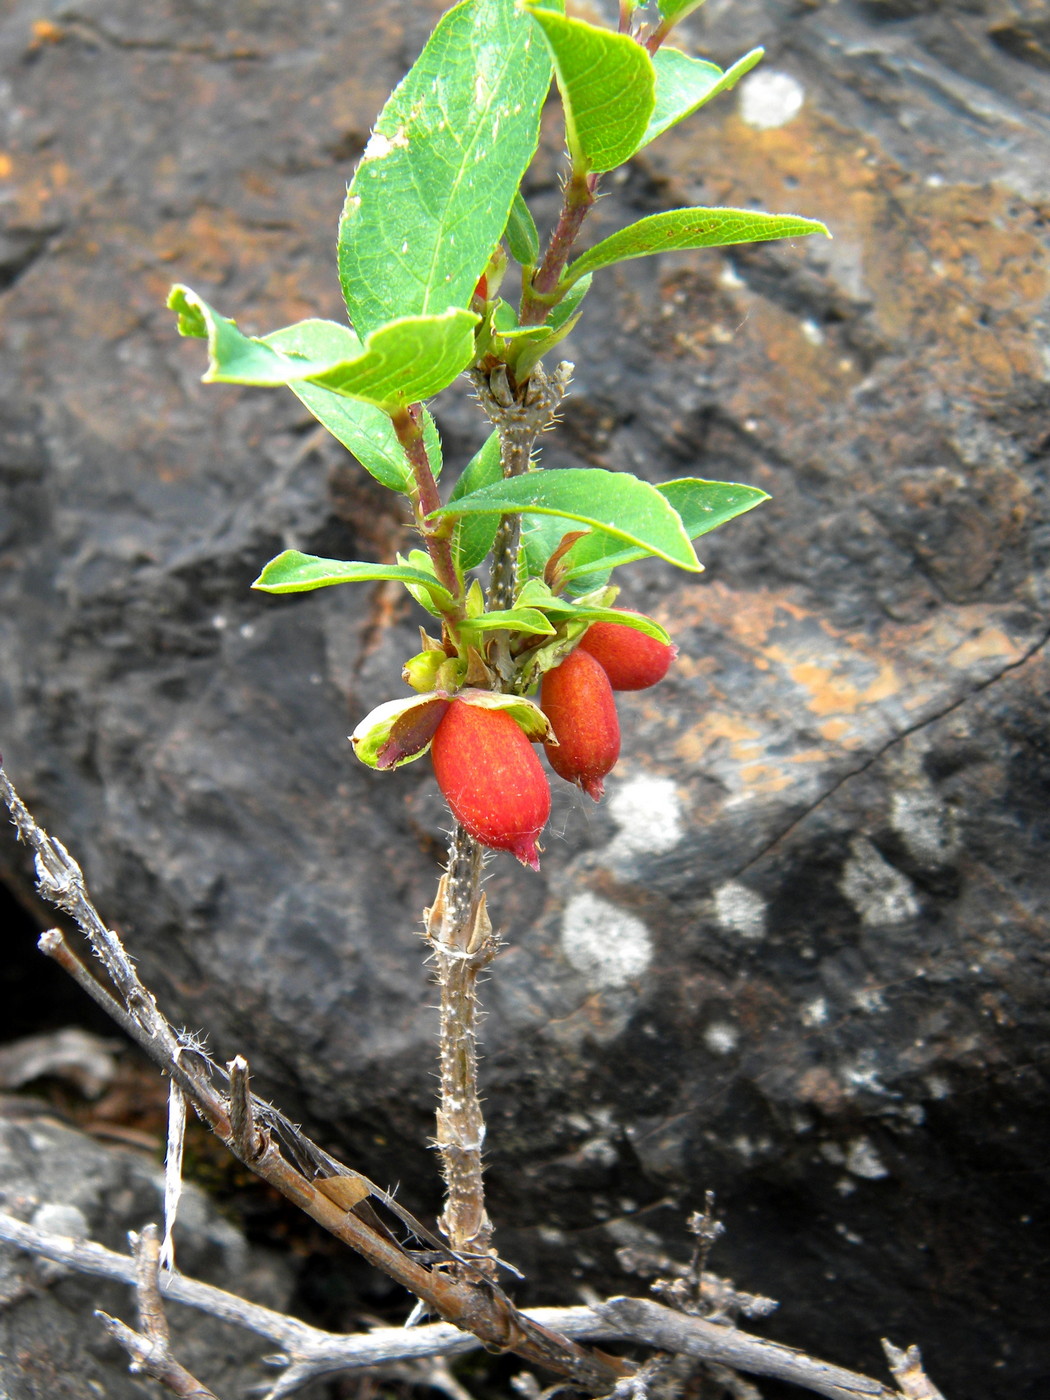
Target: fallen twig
309, 1352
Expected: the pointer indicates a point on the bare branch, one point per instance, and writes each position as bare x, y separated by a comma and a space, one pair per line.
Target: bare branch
309, 1352
906, 1367
150, 1348
710, 1341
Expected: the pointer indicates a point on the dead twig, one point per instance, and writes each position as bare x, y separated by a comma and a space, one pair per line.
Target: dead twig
309, 1352
150, 1348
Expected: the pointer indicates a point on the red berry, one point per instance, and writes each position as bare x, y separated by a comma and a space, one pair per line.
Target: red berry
492, 779
577, 699
631, 659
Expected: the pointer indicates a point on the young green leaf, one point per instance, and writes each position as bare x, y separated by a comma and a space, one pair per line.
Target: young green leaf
400, 363
432, 194
685, 84
362, 428
690, 228
562, 610
624, 506
515, 619
522, 236
608, 88
701, 506
292, 572
677, 9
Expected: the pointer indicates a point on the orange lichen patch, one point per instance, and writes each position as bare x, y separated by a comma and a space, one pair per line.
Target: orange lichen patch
7, 166
45, 32
959, 267
834, 692
742, 740
989, 645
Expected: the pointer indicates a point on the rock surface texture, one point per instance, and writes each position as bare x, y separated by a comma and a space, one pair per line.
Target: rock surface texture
799, 952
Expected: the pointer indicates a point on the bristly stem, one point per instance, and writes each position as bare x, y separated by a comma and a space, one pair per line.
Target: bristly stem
461, 937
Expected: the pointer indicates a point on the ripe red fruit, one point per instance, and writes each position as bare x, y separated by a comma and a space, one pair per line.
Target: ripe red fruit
577, 699
631, 659
492, 779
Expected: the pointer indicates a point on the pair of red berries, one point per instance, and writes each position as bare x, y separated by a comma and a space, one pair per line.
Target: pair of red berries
488, 769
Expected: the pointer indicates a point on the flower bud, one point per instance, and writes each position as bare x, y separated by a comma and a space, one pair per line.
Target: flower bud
631, 659
577, 699
492, 780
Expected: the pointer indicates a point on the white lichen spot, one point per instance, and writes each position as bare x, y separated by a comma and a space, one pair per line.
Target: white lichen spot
649, 814
729, 277
848, 1234
380, 145
938, 1087
815, 1012
880, 894
863, 1160
605, 944
925, 825
721, 1038
869, 999
770, 99
812, 332
740, 910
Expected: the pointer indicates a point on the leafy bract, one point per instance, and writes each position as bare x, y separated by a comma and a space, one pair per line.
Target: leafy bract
430, 199
622, 505
684, 84
690, 228
475, 533
399, 731
701, 506
607, 86
408, 359
362, 428
292, 572
522, 236
511, 619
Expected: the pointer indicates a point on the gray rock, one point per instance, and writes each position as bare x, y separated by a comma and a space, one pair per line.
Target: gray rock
797, 954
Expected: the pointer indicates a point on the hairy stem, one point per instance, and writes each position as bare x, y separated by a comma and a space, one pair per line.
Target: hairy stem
461, 936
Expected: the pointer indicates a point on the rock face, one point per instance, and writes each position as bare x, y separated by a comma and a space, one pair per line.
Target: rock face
798, 955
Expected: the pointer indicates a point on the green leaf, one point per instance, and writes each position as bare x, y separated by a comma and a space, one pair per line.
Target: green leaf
677, 9
292, 572
475, 533
701, 506
684, 84
512, 619
431, 197
616, 502
564, 610
400, 363
522, 236
362, 428
690, 228
608, 88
